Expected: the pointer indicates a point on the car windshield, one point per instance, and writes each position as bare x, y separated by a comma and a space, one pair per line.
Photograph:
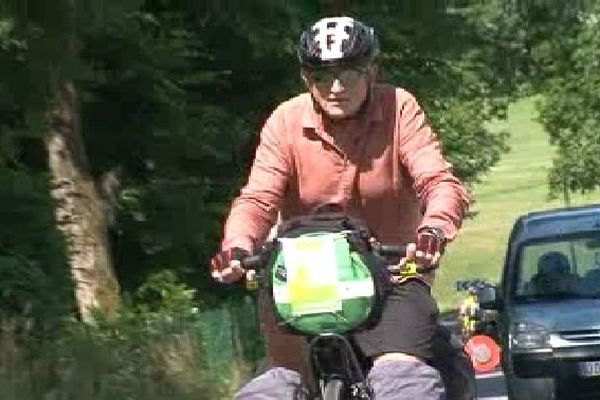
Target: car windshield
559, 268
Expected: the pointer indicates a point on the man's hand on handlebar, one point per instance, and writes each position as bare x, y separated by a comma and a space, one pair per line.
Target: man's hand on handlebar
231, 265
427, 250
226, 266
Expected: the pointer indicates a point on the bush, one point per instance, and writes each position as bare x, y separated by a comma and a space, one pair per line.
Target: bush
153, 348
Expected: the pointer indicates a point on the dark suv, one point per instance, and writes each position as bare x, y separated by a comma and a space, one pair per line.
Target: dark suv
548, 305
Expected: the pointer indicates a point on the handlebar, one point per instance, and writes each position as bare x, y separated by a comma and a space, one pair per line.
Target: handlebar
385, 250
389, 249
253, 261
399, 250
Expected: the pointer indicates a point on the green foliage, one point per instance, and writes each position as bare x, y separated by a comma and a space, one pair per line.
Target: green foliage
34, 281
570, 111
132, 356
517, 185
552, 47
35, 288
166, 108
163, 294
160, 345
523, 40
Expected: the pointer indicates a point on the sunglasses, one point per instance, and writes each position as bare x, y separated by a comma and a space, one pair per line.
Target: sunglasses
346, 76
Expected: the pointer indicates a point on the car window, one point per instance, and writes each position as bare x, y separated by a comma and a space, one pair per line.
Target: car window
561, 267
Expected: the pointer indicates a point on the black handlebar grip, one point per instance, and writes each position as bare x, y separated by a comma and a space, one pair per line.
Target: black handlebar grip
391, 250
252, 262
425, 270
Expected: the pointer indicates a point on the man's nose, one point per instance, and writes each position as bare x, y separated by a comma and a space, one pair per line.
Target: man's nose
337, 86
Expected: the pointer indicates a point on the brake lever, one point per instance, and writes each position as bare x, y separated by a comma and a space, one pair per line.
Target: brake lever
250, 264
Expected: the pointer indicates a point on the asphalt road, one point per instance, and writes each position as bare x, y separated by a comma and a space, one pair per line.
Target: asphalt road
491, 386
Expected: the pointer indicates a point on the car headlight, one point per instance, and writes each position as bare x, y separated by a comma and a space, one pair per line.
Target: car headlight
529, 336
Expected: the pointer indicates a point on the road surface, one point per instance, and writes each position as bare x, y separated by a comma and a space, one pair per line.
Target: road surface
490, 386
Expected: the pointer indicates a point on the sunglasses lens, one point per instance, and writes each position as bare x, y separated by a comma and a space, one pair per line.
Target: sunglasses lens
345, 76
323, 75
349, 75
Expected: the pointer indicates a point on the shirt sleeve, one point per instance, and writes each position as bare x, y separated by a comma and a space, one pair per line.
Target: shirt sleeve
254, 211
444, 198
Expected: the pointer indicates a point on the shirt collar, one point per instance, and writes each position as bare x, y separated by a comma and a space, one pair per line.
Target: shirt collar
313, 119
310, 118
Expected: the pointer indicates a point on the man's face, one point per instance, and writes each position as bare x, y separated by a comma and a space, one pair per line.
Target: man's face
339, 91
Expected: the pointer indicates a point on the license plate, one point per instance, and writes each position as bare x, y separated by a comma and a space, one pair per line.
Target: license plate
589, 368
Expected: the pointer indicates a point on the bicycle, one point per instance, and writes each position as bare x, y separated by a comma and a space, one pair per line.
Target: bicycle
337, 369
468, 308
477, 329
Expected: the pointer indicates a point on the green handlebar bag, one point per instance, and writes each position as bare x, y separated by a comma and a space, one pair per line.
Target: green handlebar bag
321, 284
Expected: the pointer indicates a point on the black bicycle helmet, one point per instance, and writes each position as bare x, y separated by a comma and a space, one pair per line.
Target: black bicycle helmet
338, 41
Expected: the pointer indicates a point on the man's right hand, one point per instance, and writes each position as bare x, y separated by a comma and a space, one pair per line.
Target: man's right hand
226, 267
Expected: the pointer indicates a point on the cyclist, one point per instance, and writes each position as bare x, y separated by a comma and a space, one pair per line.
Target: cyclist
367, 148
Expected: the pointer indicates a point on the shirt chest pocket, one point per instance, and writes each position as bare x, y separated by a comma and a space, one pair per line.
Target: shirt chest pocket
322, 171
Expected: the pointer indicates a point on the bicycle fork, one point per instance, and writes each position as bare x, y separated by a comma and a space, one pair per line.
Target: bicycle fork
328, 349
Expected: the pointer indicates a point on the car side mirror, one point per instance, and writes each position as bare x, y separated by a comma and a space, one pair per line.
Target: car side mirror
489, 298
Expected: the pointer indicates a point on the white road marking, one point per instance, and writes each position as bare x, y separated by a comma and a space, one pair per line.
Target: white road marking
489, 375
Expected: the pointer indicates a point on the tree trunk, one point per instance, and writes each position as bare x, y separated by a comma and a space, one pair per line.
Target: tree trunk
81, 212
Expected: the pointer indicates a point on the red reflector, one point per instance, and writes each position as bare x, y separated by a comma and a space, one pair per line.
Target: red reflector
484, 353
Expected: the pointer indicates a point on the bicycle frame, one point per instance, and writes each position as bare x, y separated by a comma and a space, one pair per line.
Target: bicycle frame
343, 367
332, 357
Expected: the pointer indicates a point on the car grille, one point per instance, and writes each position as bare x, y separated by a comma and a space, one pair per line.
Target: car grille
591, 335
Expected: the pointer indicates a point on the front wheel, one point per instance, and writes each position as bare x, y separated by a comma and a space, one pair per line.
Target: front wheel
333, 390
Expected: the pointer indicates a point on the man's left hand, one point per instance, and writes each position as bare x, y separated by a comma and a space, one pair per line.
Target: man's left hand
427, 249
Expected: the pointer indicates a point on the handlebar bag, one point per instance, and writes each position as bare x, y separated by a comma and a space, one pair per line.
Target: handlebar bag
324, 279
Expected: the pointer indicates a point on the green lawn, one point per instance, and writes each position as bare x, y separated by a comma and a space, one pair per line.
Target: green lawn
517, 185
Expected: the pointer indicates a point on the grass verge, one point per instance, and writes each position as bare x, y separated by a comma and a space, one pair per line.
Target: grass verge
517, 185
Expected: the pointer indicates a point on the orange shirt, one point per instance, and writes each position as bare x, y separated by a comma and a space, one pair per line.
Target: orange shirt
384, 165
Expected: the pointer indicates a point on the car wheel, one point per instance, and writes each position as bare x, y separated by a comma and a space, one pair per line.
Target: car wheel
530, 388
